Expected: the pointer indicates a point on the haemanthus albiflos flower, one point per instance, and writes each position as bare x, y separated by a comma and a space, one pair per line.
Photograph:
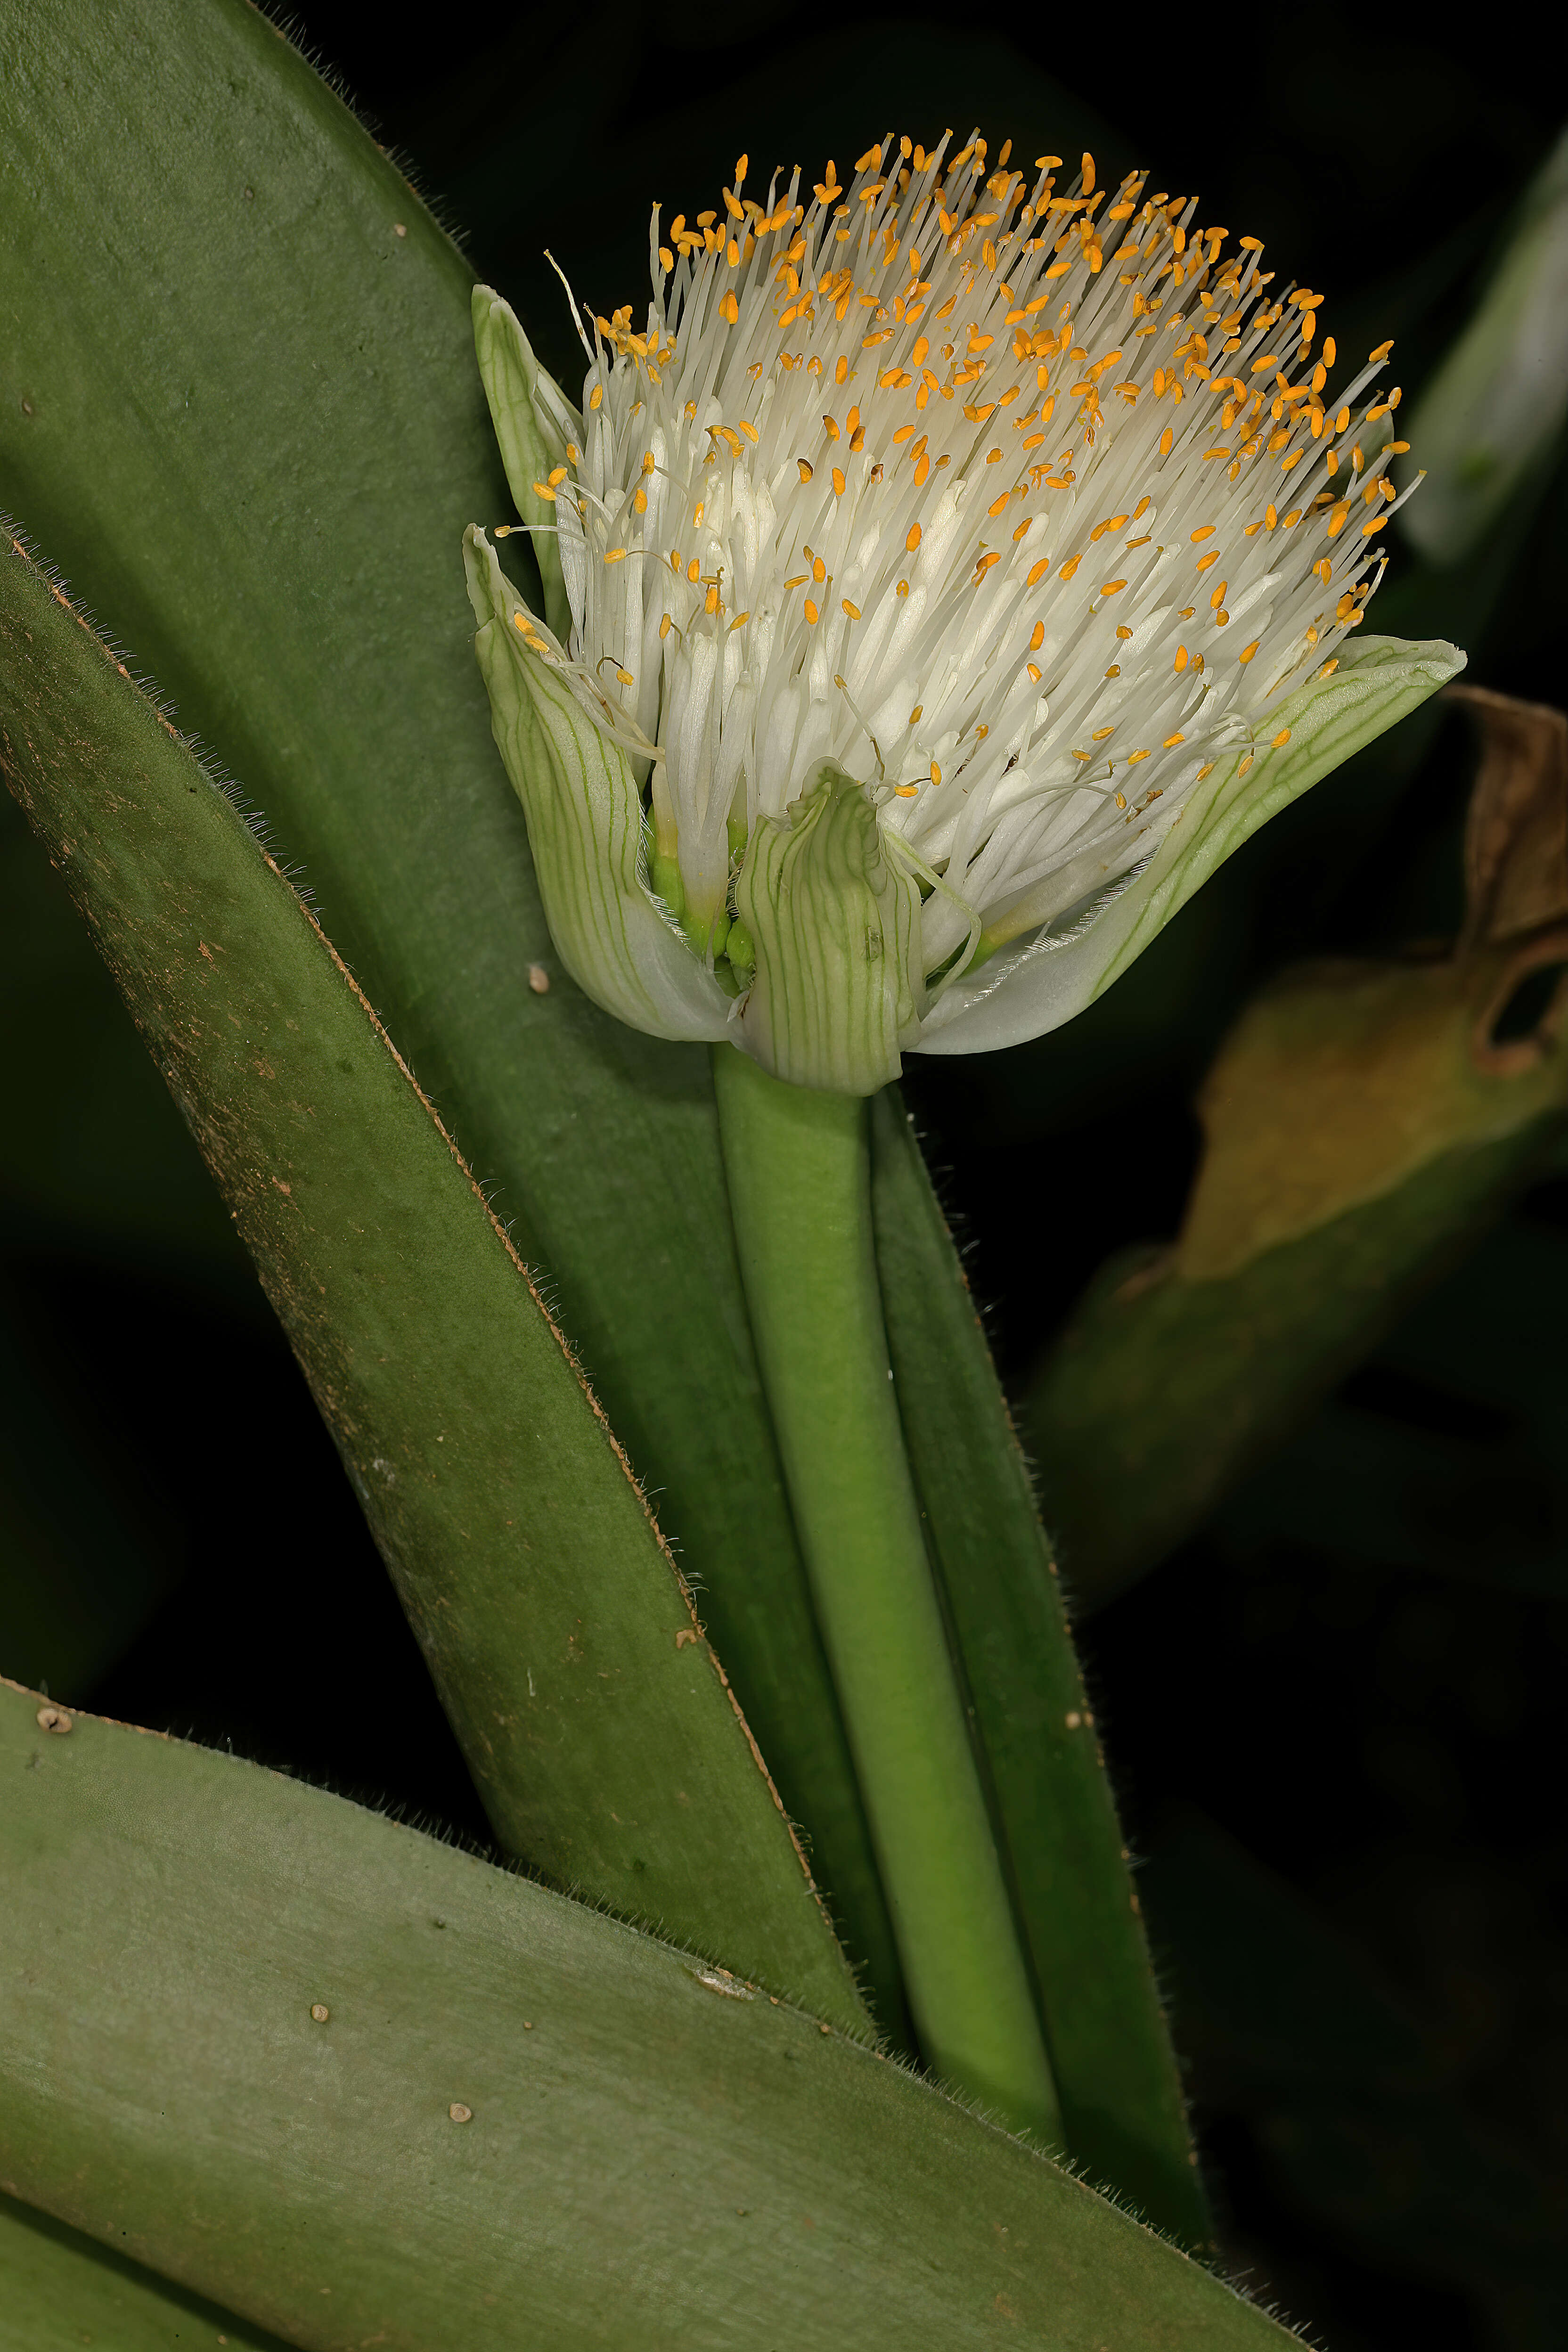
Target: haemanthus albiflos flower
949, 571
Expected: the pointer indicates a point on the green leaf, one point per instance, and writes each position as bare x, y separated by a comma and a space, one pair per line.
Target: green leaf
519, 2121
216, 285
1115, 2070
1056, 975
59, 2291
596, 1720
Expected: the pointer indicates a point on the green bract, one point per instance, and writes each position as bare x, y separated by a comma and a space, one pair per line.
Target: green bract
837, 930
585, 829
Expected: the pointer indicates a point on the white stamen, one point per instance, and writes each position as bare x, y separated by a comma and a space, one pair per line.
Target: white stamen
957, 478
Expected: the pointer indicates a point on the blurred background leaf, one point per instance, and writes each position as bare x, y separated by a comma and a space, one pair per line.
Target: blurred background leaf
1364, 1122
1490, 414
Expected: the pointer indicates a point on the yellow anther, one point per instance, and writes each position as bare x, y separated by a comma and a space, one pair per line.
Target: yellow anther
851, 612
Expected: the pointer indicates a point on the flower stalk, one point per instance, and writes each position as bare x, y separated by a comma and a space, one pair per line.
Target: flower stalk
797, 1166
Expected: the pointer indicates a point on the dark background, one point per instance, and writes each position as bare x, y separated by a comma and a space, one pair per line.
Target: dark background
1333, 1718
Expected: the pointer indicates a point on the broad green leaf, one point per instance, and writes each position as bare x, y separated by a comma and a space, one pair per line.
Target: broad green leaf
59, 2291
1114, 2067
518, 2122
242, 412
595, 1719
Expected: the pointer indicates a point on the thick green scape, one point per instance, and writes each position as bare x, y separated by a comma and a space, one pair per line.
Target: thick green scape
519, 2122
1115, 2071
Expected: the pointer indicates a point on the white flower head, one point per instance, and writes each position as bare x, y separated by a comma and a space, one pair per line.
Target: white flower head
951, 562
